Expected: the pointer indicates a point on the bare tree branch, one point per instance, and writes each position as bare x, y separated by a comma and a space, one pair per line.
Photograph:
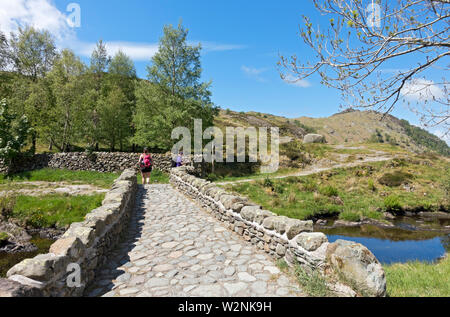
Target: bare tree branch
364, 38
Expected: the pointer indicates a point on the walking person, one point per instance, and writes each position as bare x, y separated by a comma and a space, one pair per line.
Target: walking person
146, 164
179, 160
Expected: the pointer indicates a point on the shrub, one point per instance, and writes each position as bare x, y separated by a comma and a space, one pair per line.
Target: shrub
349, 215
329, 191
212, 177
279, 189
3, 237
392, 204
395, 179
310, 185
6, 207
313, 283
371, 185
268, 183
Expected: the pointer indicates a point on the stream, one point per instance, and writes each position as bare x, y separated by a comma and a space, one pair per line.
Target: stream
8, 260
412, 238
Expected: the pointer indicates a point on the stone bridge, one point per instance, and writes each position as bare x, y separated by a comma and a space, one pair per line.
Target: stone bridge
189, 238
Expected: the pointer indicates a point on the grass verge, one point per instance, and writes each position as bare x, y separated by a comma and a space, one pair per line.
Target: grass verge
104, 180
313, 284
53, 211
418, 279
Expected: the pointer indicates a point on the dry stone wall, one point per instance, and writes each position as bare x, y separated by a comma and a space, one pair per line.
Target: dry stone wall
80, 161
282, 237
85, 244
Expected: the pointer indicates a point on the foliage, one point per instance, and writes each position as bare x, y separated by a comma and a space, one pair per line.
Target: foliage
377, 137
268, 183
115, 115
13, 133
329, 191
392, 204
6, 207
174, 95
32, 52
313, 283
308, 129
3, 237
425, 138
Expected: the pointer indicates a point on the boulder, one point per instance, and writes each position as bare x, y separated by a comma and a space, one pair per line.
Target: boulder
311, 241
356, 265
313, 138
249, 212
295, 227
261, 215
41, 268
9, 288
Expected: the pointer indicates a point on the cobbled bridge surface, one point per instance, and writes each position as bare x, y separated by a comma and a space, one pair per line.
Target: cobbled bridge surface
175, 248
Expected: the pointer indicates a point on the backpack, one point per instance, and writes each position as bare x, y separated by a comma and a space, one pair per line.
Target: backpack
147, 161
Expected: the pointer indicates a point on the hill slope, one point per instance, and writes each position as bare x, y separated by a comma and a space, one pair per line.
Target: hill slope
347, 127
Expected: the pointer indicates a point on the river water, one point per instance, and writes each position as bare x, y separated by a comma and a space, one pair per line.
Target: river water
7, 260
412, 238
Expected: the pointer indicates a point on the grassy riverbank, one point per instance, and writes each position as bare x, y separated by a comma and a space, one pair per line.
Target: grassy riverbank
417, 279
49, 211
104, 180
416, 182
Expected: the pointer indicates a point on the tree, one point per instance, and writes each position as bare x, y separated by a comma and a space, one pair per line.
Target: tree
364, 38
99, 65
122, 65
13, 133
32, 52
66, 119
174, 95
100, 59
115, 117
122, 74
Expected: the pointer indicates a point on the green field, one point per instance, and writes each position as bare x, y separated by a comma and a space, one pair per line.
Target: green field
356, 192
49, 211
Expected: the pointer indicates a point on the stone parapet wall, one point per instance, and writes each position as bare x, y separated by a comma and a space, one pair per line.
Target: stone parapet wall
290, 239
80, 161
84, 245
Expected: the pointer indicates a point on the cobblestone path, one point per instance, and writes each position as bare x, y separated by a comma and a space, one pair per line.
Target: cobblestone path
175, 248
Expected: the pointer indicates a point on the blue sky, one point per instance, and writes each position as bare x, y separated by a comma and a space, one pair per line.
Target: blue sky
242, 41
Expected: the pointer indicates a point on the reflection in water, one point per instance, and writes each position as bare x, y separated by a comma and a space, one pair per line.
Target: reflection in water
412, 238
388, 251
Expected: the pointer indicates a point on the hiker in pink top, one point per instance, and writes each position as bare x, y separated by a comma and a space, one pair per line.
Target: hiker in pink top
146, 164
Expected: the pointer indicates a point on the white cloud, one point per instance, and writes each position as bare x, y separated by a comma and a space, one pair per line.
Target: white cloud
254, 73
136, 51
218, 47
43, 14
302, 83
422, 90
